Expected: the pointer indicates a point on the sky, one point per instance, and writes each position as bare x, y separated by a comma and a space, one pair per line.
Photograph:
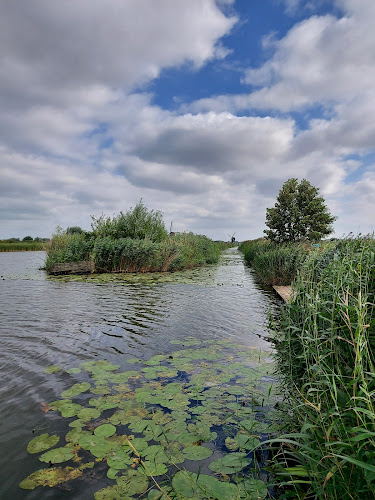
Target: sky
200, 108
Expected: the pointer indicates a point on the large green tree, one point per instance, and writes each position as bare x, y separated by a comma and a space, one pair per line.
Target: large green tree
299, 214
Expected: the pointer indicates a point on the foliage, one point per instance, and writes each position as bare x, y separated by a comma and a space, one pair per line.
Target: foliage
145, 425
138, 223
74, 230
65, 247
299, 214
133, 242
275, 264
27, 238
326, 357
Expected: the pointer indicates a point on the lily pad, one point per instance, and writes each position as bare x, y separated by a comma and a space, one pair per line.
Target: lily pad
105, 430
154, 469
52, 369
197, 452
75, 390
42, 443
230, 463
57, 455
73, 371
53, 476
88, 414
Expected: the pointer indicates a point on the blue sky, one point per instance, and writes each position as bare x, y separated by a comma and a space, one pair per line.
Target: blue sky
201, 108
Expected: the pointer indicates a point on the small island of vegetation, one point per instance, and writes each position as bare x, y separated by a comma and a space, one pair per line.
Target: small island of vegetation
135, 241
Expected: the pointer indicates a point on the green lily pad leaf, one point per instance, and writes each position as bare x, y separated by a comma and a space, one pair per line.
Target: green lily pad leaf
119, 459
154, 469
231, 444
102, 365
253, 489
57, 455
140, 444
52, 369
42, 443
214, 488
101, 390
155, 453
90, 440
183, 484
70, 409
53, 476
105, 430
88, 414
132, 482
75, 390
75, 435
77, 424
132, 361
159, 495
55, 405
73, 371
111, 493
113, 473
197, 452
246, 441
230, 463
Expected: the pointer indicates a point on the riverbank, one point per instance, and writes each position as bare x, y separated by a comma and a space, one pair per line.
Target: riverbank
325, 347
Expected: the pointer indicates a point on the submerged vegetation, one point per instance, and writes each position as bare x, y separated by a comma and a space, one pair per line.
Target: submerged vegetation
135, 241
325, 344
152, 428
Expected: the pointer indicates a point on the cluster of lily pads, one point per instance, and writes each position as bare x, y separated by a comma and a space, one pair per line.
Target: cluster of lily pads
156, 426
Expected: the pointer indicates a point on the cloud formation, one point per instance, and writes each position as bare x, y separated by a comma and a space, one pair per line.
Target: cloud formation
81, 133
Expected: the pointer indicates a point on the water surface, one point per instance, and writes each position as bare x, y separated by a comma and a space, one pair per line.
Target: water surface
67, 322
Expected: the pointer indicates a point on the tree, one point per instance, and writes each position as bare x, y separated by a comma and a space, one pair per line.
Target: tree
299, 214
74, 230
27, 238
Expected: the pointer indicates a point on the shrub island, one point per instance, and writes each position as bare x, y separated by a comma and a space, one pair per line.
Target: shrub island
135, 241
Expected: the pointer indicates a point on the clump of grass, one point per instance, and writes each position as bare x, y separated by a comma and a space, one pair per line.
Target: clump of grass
275, 264
326, 359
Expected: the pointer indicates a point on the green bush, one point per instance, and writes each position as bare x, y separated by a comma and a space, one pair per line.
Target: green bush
138, 223
65, 247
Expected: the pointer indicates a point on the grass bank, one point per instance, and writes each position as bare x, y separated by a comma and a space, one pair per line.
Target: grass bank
22, 246
136, 241
325, 351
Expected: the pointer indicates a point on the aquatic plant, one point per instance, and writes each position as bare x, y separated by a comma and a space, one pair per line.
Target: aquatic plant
326, 360
275, 264
205, 403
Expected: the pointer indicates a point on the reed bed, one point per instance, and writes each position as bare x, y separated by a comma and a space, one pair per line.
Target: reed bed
325, 351
274, 263
22, 246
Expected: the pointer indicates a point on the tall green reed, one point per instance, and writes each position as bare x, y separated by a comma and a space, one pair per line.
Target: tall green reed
325, 353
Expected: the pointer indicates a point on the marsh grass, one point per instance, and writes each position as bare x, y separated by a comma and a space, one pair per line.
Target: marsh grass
274, 263
325, 344
22, 246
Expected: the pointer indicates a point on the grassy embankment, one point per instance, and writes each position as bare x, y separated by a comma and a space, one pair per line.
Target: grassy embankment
136, 241
22, 246
325, 342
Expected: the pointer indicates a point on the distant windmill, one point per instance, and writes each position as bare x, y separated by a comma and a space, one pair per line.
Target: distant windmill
232, 238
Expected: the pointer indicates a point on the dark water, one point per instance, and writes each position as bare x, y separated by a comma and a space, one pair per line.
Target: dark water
45, 322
